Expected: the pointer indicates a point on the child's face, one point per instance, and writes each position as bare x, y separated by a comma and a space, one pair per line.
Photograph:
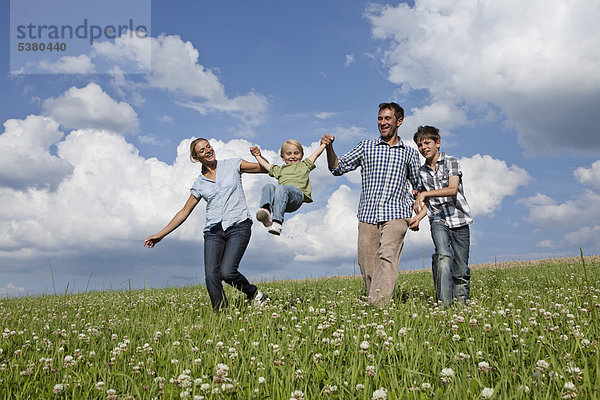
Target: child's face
428, 147
291, 154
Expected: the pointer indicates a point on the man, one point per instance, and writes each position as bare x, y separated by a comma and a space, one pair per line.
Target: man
385, 207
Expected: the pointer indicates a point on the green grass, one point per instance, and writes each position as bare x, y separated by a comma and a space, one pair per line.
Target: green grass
530, 331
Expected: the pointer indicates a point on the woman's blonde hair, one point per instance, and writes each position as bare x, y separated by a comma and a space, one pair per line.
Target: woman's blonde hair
293, 142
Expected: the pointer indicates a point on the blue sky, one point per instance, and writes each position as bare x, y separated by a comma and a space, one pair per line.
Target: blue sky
94, 158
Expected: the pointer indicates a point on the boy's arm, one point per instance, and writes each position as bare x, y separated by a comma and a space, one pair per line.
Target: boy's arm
313, 157
261, 160
448, 191
414, 222
332, 159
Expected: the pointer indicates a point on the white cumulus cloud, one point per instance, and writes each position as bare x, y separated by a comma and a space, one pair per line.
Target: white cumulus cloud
81, 64
487, 181
25, 156
535, 61
90, 107
589, 176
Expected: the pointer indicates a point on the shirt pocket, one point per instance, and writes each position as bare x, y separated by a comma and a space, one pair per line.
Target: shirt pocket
443, 177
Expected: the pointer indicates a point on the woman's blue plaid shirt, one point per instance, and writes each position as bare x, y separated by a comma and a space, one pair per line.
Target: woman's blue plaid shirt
386, 171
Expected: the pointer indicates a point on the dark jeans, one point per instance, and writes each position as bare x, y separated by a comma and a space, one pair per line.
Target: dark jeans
450, 263
223, 251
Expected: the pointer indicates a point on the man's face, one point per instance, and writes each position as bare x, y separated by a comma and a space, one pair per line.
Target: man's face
387, 123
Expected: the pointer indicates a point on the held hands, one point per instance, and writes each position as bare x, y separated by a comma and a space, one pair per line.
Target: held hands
255, 151
413, 225
327, 140
419, 202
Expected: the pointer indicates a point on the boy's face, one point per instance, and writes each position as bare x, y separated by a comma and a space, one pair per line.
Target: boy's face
291, 154
429, 148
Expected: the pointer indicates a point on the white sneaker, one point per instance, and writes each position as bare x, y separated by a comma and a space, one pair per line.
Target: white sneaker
259, 298
264, 216
275, 228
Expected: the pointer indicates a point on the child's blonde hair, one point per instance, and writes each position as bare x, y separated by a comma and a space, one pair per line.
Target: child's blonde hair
293, 142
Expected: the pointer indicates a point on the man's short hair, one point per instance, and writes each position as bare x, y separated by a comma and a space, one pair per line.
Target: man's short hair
426, 132
398, 111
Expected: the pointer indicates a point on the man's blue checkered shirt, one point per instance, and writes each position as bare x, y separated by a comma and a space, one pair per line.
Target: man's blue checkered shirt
386, 171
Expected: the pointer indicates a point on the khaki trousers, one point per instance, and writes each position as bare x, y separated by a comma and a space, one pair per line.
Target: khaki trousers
379, 249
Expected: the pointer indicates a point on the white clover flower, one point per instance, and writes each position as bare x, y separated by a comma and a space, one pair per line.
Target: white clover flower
569, 391
261, 380
487, 327
297, 395
58, 388
447, 374
483, 366
205, 387
380, 394
425, 386
198, 361
542, 365
365, 345
487, 393
370, 370
198, 382
455, 338
100, 386
360, 386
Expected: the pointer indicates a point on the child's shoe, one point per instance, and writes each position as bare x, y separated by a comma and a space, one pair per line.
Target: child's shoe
275, 228
264, 216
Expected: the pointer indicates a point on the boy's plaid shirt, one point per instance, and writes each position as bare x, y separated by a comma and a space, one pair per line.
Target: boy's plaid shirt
385, 172
454, 211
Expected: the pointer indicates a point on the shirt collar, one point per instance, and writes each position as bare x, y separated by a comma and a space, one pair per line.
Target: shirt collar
439, 161
399, 144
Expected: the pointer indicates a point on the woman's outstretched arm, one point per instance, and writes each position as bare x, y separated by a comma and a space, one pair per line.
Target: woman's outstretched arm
177, 220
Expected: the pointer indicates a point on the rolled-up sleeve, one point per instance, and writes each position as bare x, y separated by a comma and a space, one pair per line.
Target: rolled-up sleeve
349, 161
413, 171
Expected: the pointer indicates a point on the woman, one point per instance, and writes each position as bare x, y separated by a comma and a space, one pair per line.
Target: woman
228, 221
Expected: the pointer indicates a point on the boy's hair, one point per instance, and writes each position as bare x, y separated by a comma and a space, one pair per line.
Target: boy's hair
293, 142
398, 111
426, 132
193, 156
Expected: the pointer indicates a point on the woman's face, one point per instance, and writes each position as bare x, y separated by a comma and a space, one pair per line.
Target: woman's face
204, 152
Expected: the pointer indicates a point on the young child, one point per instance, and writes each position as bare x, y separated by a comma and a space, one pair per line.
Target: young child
442, 197
294, 185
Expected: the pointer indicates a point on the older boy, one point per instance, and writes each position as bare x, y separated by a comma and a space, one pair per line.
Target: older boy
442, 197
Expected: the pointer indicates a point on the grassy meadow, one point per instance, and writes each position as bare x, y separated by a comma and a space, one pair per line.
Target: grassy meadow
531, 331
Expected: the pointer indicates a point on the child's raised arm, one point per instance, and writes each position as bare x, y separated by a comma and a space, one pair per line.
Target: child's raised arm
313, 157
255, 151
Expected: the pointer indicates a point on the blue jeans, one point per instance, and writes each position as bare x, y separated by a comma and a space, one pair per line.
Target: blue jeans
223, 251
281, 199
450, 263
